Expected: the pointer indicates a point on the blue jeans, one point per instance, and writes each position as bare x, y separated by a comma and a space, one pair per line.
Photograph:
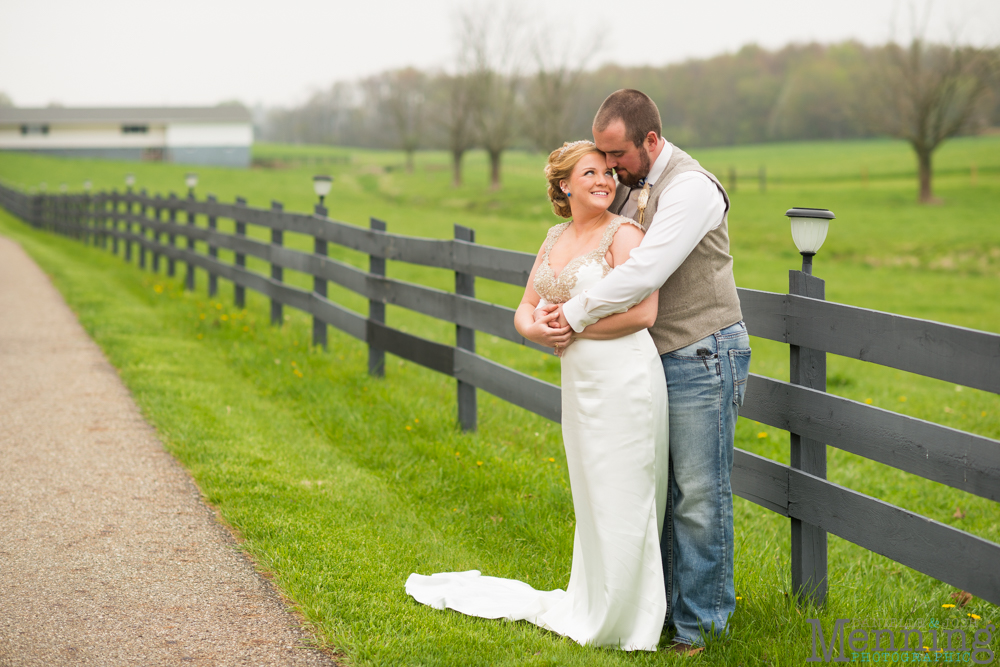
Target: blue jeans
706, 382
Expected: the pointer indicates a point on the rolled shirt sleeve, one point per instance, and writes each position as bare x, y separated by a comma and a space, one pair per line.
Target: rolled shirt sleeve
689, 208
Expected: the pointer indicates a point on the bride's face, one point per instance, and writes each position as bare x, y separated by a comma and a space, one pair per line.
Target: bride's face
591, 184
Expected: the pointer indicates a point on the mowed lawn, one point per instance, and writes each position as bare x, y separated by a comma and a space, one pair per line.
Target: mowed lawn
341, 485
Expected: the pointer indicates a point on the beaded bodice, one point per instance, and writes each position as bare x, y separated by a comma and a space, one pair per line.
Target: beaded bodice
582, 271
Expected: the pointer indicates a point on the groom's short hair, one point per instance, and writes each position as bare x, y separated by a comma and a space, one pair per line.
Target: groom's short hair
634, 109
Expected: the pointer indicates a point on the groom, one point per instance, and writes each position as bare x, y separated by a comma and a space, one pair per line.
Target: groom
702, 342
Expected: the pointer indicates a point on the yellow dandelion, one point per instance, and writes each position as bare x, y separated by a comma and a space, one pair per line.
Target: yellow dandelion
409, 428
762, 434
551, 460
158, 289
224, 317
902, 399
416, 421
973, 617
202, 316
479, 463
457, 454
947, 606
246, 328
868, 401
739, 597
455, 510
294, 364
200, 336
983, 413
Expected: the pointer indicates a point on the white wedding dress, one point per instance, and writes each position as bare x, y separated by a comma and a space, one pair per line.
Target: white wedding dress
614, 423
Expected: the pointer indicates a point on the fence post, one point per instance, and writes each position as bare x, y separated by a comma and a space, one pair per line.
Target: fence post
157, 218
376, 309
465, 338
277, 273
171, 236
239, 291
128, 225
115, 206
36, 211
319, 285
88, 219
809, 543
100, 209
189, 275
732, 180
213, 252
762, 178
79, 217
141, 230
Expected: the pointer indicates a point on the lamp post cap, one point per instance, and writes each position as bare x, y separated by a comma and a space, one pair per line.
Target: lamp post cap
820, 213
321, 185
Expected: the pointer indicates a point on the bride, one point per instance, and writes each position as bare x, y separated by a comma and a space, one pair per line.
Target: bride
614, 430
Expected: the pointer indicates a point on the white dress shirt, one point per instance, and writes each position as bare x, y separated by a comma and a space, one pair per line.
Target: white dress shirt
688, 209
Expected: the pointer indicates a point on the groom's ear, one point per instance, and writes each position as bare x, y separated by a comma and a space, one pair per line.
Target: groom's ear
651, 141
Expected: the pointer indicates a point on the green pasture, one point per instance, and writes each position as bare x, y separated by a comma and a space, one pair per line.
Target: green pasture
341, 485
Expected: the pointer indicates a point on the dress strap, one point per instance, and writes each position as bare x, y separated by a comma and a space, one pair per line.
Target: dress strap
609, 236
622, 218
555, 231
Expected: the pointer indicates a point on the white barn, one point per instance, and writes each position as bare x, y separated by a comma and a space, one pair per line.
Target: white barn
190, 135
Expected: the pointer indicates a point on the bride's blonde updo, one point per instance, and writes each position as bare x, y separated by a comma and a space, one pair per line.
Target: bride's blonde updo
560, 166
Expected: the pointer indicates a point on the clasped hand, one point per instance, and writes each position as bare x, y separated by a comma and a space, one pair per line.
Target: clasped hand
547, 330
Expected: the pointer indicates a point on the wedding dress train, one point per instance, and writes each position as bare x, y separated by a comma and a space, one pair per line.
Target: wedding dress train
614, 422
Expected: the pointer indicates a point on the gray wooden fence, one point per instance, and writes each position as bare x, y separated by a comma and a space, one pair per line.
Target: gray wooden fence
812, 327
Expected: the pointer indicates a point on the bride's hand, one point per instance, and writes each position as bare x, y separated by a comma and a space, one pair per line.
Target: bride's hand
542, 332
561, 350
541, 311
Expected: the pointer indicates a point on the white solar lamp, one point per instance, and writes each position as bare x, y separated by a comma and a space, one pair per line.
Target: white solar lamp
64, 188
130, 180
191, 181
321, 186
86, 186
43, 186
809, 227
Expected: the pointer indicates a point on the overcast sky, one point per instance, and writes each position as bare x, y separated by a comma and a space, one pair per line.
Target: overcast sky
195, 52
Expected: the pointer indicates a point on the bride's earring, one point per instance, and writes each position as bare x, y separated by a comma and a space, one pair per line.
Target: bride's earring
567, 193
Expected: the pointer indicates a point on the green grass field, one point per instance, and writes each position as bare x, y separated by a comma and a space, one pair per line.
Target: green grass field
341, 485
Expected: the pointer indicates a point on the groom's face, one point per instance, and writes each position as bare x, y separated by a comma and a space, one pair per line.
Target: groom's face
630, 162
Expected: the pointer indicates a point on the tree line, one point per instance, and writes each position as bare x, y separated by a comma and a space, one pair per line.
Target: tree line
496, 98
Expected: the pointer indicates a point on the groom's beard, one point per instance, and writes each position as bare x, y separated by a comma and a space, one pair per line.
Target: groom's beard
627, 178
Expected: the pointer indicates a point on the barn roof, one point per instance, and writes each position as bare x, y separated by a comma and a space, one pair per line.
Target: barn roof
220, 114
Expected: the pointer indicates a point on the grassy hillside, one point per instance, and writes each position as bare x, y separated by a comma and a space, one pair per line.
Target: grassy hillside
342, 485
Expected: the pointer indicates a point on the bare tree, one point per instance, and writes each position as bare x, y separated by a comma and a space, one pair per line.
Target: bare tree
453, 106
550, 91
929, 93
491, 55
401, 97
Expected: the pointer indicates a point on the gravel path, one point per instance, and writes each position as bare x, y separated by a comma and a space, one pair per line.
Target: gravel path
108, 556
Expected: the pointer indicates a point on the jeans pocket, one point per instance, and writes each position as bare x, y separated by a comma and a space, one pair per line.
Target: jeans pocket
739, 364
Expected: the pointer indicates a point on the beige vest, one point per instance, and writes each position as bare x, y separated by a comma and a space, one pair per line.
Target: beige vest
700, 297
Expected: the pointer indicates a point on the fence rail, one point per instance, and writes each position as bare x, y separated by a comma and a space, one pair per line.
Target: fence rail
810, 326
